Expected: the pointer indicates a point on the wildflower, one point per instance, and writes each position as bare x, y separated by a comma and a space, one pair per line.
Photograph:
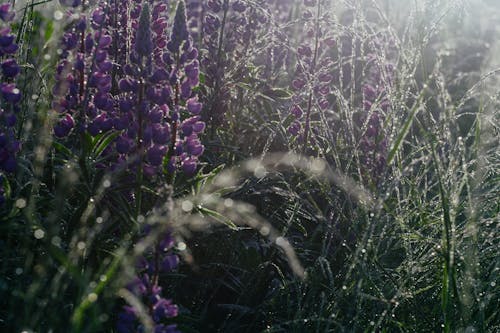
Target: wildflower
10, 96
145, 286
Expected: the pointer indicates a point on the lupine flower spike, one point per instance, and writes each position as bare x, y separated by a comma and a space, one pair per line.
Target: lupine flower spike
10, 97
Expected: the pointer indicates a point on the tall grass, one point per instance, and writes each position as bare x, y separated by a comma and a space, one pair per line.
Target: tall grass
278, 233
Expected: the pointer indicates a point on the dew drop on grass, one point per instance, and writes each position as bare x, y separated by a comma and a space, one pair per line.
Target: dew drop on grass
182, 246
264, 231
58, 15
21, 203
39, 234
56, 241
92, 297
187, 206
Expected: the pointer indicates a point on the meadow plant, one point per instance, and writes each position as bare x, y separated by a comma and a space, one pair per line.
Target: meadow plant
313, 72
230, 29
10, 97
348, 180
147, 97
375, 91
146, 287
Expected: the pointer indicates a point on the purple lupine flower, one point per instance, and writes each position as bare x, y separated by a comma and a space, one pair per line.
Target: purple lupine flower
180, 33
64, 126
144, 42
230, 31
83, 77
2, 191
167, 80
184, 78
6, 13
10, 68
10, 96
195, 10
373, 142
121, 70
145, 286
313, 74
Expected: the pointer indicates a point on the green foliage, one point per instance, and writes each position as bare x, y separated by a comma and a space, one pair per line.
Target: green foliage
277, 244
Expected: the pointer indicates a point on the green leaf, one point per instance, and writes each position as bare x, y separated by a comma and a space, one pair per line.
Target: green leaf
278, 93
60, 148
218, 217
405, 129
103, 142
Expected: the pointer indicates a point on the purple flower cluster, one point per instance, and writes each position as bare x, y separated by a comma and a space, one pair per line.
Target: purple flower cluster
145, 286
10, 95
2, 191
83, 78
373, 143
313, 77
157, 94
195, 11
130, 76
229, 28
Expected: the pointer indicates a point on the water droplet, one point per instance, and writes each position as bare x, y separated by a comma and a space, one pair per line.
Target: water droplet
56, 241
92, 297
39, 234
187, 206
20, 203
264, 231
260, 172
58, 15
